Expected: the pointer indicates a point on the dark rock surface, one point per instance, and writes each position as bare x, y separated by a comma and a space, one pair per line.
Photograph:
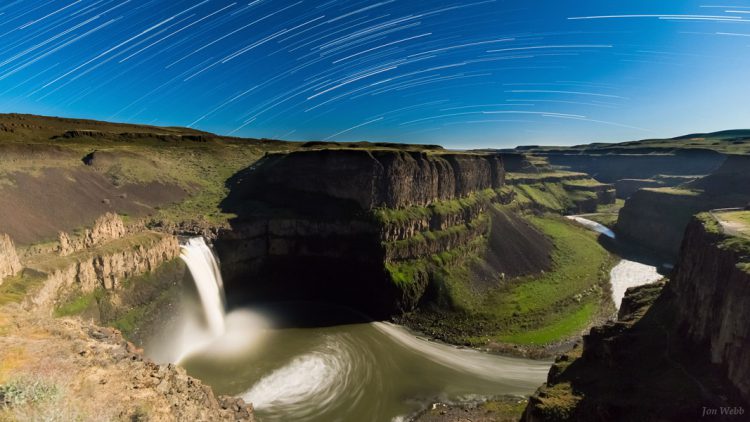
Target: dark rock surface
676, 350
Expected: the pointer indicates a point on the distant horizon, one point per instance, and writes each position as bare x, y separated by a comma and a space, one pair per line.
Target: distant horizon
688, 133
480, 74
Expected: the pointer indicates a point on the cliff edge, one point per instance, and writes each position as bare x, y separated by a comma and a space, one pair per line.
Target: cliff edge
675, 353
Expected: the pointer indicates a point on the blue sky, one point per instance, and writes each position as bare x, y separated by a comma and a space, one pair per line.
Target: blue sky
459, 73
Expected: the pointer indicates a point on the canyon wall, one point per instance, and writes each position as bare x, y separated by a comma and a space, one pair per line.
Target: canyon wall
711, 288
9, 263
98, 258
332, 225
382, 178
637, 163
656, 218
370, 228
677, 348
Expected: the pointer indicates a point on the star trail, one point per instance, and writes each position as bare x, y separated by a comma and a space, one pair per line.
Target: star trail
465, 74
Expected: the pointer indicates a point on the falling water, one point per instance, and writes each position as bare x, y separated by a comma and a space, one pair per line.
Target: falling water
205, 271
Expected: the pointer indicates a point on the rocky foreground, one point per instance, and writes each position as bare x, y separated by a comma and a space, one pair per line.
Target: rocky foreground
64, 369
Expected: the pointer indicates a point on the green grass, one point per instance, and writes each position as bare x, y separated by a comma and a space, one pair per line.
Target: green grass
448, 207
77, 305
674, 191
15, 288
549, 196
533, 310
510, 177
571, 323
405, 273
579, 263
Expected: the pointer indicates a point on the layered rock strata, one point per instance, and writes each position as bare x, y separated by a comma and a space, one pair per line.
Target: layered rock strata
328, 224
676, 350
656, 218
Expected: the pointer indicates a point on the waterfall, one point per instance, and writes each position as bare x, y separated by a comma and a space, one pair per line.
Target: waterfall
207, 277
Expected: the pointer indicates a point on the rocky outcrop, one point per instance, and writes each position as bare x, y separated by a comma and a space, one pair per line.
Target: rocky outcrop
89, 369
656, 218
103, 267
106, 228
677, 351
9, 262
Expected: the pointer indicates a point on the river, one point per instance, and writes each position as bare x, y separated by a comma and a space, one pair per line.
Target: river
628, 272
367, 371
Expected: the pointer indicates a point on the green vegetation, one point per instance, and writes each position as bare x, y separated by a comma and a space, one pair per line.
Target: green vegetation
558, 301
675, 191
448, 207
728, 141
547, 196
133, 305
550, 175
406, 273
532, 310
78, 304
14, 289
574, 322
21, 392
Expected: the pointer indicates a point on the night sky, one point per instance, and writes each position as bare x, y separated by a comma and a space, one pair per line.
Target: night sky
459, 73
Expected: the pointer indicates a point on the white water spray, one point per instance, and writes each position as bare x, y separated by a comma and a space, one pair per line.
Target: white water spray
205, 271
202, 324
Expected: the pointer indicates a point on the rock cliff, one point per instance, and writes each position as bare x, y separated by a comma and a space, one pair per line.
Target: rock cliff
711, 288
382, 178
678, 350
103, 267
333, 224
656, 218
106, 228
614, 165
9, 263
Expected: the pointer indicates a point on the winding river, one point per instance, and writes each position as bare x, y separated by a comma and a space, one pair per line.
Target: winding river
369, 371
628, 272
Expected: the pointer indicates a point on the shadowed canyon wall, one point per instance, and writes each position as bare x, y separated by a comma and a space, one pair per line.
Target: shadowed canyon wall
637, 163
656, 218
677, 348
328, 224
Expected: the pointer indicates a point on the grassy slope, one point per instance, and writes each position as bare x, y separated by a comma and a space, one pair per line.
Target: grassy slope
533, 310
200, 167
730, 142
557, 304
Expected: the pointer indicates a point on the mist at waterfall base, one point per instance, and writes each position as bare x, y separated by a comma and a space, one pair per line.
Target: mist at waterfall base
201, 320
370, 371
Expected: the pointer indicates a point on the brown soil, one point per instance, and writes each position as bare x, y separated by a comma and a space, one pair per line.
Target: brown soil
37, 205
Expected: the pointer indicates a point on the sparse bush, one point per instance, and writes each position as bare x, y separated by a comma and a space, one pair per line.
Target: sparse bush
22, 392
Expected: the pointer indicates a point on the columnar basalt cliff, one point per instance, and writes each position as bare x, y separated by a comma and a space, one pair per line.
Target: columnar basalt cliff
677, 349
656, 218
99, 258
327, 224
711, 288
383, 178
9, 263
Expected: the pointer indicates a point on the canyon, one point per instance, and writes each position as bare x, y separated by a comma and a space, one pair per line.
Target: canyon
685, 335
467, 247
